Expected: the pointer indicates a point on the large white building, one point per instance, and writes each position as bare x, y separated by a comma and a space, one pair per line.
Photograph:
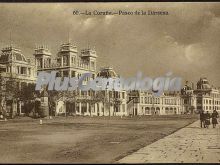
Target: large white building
16, 71
69, 62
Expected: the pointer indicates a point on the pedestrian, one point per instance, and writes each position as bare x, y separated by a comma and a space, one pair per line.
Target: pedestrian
202, 118
214, 118
207, 119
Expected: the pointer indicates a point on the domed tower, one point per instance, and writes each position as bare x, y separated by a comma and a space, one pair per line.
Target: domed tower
10, 54
186, 89
16, 63
115, 96
107, 72
42, 57
203, 84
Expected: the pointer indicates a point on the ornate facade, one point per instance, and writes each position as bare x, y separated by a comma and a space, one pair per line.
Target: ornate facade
145, 103
16, 70
205, 97
71, 63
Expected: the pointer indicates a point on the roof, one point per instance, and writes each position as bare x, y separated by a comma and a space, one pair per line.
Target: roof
107, 72
12, 53
203, 84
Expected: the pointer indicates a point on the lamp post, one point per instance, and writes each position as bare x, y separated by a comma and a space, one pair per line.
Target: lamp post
107, 98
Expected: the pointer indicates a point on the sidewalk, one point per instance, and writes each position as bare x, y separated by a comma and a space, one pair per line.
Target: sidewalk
191, 144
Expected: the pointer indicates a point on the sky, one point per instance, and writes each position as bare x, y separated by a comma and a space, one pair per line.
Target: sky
186, 42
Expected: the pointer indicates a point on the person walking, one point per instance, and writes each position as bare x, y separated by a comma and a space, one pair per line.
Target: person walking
214, 118
202, 118
207, 119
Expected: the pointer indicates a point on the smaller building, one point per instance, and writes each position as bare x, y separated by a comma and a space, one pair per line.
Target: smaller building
145, 103
106, 102
205, 97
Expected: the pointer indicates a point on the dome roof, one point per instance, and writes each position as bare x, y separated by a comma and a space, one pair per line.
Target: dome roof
187, 87
107, 73
11, 53
203, 84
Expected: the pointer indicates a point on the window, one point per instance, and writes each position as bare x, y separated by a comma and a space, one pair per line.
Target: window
73, 73
65, 74
123, 95
123, 107
58, 61
18, 69
79, 75
73, 60
65, 60
110, 94
58, 74
23, 70
29, 71
92, 64
147, 110
39, 63
117, 109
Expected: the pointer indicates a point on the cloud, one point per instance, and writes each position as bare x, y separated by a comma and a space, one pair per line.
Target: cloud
184, 42
194, 52
88, 23
109, 18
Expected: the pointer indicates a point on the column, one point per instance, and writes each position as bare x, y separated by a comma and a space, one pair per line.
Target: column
138, 109
19, 107
42, 63
70, 60
87, 108
80, 108
61, 61
95, 108
100, 110
64, 107
111, 110
120, 110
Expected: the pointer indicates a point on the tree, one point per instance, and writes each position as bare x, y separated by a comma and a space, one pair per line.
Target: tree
2, 94
105, 98
65, 96
9, 90
28, 94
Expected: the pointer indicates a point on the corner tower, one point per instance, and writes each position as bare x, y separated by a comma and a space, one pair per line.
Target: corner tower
67, 55
42, 57
90, 56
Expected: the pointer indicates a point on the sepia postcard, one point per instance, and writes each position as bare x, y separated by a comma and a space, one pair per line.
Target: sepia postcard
115, 82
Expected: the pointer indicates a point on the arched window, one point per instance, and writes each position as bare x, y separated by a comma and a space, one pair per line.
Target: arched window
147, 110
65, 61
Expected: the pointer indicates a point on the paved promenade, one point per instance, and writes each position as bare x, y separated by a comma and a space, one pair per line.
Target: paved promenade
188, 145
